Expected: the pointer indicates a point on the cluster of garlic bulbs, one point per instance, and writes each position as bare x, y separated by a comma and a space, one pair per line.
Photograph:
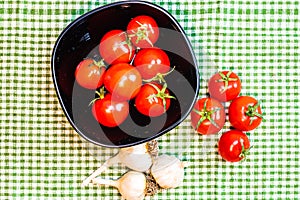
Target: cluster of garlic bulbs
148, 171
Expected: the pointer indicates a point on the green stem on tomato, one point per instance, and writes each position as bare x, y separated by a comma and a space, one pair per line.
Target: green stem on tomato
159, 77
225, 78
99, 63
245, 152
206, 115
252, 113
100, 93
161, 93
142, 33
126, 42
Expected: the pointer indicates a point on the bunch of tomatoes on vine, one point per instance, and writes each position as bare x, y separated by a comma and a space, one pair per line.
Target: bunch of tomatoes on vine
130, 68
244, 114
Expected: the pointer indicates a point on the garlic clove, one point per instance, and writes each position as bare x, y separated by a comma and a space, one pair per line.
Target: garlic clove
136, 157
168, 171
132, 185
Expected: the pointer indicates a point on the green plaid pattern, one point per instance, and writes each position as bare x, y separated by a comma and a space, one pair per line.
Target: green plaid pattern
42, 157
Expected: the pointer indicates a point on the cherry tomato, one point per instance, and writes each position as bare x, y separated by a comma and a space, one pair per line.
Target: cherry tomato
208, 116
123, 81
224, 86
143, 31
234, 146
151, 61
89, 73
110, 113
245, 113
153, 99
115, 47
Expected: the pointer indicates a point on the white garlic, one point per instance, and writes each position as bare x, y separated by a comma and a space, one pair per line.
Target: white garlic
168, 171
138, 158
132, 185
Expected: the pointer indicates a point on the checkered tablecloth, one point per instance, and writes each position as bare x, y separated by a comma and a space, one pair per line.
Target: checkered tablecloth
42, 157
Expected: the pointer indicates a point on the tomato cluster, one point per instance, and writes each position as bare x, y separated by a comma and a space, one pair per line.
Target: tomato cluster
244, 113
131, 68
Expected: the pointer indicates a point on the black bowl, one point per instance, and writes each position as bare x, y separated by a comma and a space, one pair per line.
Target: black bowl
81, 38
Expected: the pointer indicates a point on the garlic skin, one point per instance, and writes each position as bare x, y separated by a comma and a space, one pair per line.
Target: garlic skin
168, 171
132, 185
136, 157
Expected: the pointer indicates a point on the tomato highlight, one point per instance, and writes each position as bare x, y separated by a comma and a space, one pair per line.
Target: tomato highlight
234, 146
245, 113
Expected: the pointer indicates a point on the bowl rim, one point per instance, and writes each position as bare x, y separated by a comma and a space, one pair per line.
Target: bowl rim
98, 9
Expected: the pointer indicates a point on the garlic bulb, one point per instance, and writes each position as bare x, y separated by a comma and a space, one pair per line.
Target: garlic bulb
138, 158
132, 185
168, 171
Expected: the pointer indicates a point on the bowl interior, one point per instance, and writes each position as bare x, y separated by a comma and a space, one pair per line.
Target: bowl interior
81, 39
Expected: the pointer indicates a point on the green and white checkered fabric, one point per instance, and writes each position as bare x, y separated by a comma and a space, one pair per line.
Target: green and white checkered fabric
42, 157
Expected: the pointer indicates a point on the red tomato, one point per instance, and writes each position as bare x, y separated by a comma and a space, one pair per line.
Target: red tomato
151, 61
224, 86
143, 31
245, 113
153, 100
234, 146
208, 116
123, 81
89, 74
115, 47
110, 113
